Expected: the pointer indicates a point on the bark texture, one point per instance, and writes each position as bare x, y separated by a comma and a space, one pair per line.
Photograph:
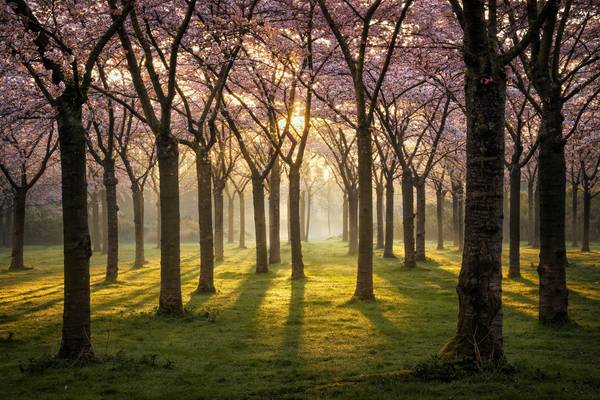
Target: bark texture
242, 243
388, 246
170, 301
138, 222
18, 234
352, 221
574, 207
420, 242
112, 222
408, 227
219, 230
514, 266
345, 217
479, 328
274, 214
295, 225
439, 211
260, 226
587, 203
230, 215
96, 235
364, 273
104, 221
206, 279
552, 184
76, 331
530, 212
379, 212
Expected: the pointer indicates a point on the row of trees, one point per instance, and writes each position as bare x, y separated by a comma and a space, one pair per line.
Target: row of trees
253, 90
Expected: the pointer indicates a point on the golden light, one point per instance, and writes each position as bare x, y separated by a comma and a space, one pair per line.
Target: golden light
115, 75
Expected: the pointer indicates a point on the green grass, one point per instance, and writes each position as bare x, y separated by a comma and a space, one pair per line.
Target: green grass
265, 336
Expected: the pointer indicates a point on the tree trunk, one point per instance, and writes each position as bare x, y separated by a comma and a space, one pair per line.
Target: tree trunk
274, 215
206, 279
352, 221
514, 267
104, 221
479, 329
18, 234
170, 301
242, 221
587, 203
388, 246
303, 215
536, 222
76, 331
295, 225
112, 222
439, 211
138, 221
574, 233
345, 217
408, 226
96, 235
530, 212
379, 212
289, 226
230, 212
455, 220
308, 204
420, 243
158, 224
364, 274
505, 213
3, 226
260, 226
552, 184
219, 227
461, 217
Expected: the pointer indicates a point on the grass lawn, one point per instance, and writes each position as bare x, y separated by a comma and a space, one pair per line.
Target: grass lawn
265, 336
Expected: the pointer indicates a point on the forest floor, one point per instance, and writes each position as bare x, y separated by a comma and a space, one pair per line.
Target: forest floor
266, 336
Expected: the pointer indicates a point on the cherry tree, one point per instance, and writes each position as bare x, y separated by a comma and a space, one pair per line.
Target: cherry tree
60, 51
158, 86
356, 27
28, 143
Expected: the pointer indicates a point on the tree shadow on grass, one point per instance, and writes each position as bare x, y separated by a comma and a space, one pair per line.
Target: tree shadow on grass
374, 312
292, 341
252, 292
